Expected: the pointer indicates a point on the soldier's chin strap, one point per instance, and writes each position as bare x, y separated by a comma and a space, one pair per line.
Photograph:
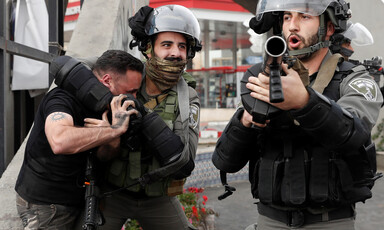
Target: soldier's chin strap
310, 49
228, 189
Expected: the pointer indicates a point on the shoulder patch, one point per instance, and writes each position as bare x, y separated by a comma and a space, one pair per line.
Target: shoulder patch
194, 116
365, 87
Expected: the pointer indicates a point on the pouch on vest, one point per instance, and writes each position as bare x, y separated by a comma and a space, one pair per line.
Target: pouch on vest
270, 175
158, 188
117, 169
351, 193
319, 175
293, 187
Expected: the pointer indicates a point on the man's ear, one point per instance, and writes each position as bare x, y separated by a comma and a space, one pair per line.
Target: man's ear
330, 29
148, 52
106, 80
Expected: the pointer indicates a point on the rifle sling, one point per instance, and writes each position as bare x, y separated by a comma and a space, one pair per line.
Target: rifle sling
326, 72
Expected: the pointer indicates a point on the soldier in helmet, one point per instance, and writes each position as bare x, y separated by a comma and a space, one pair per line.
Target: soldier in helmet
167, 36
358, 35
311, 161
355, 34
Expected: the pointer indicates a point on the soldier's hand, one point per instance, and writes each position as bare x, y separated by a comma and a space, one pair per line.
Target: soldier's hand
294, 91
296, 95
247, 121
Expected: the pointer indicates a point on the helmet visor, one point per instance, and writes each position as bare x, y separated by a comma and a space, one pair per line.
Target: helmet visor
359, 35
311, 7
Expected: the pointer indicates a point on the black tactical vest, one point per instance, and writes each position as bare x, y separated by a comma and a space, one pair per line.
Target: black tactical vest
295, 171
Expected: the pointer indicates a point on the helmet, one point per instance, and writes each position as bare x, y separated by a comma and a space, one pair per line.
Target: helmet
338, 11
170, 18
173, 18
358, 34
312, 7
355, 33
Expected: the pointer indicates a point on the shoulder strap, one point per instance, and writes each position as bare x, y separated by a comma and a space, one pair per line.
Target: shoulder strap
183, 98
326, 72
189, 79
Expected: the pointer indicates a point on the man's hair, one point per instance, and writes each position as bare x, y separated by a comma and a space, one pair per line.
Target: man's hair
117, 61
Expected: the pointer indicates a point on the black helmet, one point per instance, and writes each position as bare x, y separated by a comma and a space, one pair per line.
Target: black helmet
339, 12
168, 18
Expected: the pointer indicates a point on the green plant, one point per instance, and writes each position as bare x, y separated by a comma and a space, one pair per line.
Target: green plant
194, 206
131, 225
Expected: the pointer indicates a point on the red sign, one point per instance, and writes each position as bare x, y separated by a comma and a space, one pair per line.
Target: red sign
227, 5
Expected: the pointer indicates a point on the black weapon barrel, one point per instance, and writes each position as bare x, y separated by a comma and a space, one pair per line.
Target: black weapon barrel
275, 48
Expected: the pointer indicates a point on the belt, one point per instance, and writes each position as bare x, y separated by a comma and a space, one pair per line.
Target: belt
111, 188
300, 217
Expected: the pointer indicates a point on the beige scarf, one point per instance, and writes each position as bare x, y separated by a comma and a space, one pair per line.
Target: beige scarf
164, 74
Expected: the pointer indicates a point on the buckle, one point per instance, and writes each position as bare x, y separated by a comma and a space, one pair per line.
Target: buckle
295, 219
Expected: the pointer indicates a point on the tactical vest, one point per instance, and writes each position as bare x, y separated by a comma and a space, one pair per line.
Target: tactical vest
295, 171
125, 170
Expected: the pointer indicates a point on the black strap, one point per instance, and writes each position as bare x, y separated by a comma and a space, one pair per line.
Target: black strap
228, 189
63, 72
299, 217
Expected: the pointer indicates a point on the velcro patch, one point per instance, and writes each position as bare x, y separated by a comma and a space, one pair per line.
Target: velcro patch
193, 116
365, 87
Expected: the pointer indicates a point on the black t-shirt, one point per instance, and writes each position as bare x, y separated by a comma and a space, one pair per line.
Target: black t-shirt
47, 178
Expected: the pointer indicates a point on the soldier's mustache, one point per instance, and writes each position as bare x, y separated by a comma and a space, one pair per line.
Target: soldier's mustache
173, 59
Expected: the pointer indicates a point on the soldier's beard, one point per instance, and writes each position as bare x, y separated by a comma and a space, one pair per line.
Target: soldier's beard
164, 73
307, 43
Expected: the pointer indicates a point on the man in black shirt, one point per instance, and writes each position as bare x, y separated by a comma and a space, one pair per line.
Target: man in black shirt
49, 187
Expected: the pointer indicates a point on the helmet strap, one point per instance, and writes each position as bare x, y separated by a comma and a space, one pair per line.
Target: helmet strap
310, 49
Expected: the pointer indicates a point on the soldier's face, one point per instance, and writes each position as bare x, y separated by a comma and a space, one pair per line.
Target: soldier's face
170, 46
300, 30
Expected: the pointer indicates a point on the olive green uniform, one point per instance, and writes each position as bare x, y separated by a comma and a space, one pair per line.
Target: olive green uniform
154, 205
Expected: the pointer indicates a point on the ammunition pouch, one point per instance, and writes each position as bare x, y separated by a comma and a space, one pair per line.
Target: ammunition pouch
332, 178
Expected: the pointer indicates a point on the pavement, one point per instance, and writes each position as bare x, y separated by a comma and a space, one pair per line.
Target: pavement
236, 212
239, 211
